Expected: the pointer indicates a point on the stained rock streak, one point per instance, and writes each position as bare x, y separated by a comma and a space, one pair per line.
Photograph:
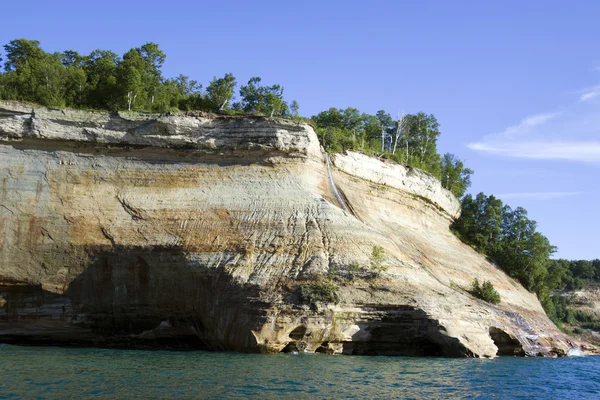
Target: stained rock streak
203, 231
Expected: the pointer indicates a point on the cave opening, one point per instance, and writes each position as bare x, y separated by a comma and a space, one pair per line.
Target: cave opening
298, 332
291, 347
507, 345
323, 348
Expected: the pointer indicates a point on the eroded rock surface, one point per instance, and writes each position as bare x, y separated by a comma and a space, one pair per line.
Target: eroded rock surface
195, 230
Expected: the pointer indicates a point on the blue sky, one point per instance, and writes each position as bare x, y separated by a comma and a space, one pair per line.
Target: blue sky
515, 85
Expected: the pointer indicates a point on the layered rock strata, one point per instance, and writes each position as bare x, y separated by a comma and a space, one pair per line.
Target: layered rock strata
128, 229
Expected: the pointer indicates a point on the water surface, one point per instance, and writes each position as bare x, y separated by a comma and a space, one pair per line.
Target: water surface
57, 373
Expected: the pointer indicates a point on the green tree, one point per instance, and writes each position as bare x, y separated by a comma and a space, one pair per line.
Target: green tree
150, 73
377, 259
20, 52
480, 223
294, 107
262, 99
331, 118
32, 74
509, 238
179, 93
71, 58
274, 103
454, 175
101, 70
352, 121
252, 96
220, 92
385, 126
130, 81
421, 141
582, 269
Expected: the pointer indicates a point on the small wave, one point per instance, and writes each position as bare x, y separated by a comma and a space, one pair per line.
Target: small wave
575, 352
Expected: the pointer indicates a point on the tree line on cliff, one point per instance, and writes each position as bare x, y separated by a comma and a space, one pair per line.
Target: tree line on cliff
104, 80
511, 240
410, 140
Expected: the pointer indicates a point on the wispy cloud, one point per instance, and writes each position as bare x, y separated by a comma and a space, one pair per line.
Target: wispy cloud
538, 195
527, 124
573, 134
558, 150
589, 93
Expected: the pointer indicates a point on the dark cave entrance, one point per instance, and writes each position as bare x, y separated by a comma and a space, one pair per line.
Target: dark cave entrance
507, 345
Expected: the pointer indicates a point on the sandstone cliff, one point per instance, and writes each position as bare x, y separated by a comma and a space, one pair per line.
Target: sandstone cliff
225, 233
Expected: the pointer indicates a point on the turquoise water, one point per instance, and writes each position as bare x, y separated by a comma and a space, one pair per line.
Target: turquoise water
58, 373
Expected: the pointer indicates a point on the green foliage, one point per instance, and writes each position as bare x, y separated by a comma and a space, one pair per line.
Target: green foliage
557, 308
586, 320
480, 222
485, 291
454, 175
319, 292
412, 140
573, 275
104, 80
377, 259
266, 100
294, 108
509, 238
220, 92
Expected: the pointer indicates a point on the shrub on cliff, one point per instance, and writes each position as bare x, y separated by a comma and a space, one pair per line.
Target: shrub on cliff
319, 292
485, 291
376, 260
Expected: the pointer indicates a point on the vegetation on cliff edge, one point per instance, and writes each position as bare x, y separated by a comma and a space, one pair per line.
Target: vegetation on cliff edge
511, 240
134, 81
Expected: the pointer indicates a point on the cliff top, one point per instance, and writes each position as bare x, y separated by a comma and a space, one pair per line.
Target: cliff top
188, 130
207, 133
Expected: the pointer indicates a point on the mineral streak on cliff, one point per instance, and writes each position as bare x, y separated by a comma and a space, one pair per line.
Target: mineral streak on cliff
190, 229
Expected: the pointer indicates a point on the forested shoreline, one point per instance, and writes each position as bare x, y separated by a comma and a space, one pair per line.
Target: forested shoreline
134, 81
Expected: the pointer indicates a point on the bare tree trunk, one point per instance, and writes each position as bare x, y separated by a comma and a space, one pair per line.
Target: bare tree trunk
423, 149
130, 99
382, 139
396, 139
225, 103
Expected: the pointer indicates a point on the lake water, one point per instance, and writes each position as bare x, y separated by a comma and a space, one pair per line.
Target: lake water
58, 373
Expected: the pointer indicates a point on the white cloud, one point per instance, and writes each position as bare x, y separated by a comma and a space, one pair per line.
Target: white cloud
558, 150
527, 124
573, 134
589, 93
538, 195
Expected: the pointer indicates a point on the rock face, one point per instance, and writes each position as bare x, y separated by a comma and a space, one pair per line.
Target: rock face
220, 232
